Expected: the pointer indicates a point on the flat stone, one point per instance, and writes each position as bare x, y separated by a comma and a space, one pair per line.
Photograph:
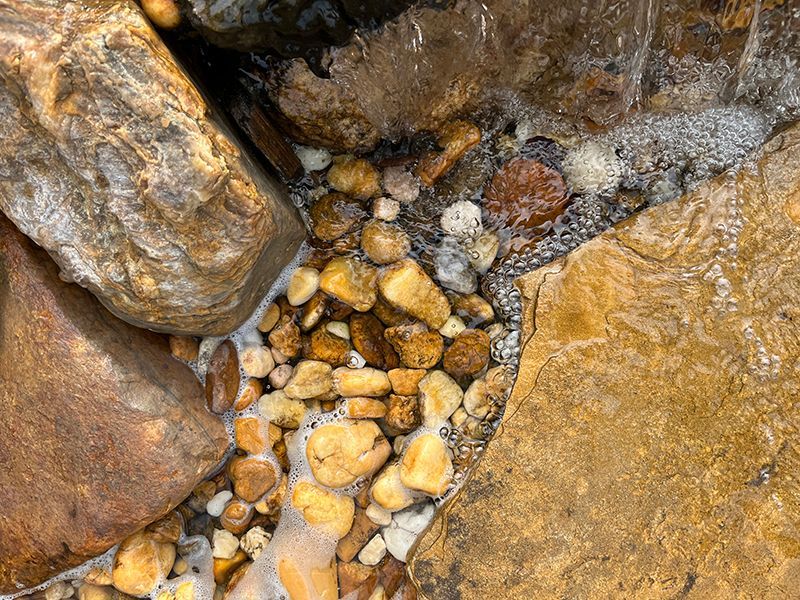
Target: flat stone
114, 163
102, 430
651, 444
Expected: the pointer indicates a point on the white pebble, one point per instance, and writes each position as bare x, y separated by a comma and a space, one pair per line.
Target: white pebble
406, 525
355, 360
224, 544
400, 184
483, 252
462, 220
57, 591
592, 168
339, 329
373, 552
254, 541
378, 515
452, 267
280, 375
257, 361
313, 159
385, 209
452, 327
217, 504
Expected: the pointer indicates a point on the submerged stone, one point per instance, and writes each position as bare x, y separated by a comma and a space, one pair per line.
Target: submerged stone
114, 163
102, 431
651, 441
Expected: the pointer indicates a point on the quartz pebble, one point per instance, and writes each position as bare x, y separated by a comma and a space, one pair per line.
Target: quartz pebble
406, 525
483, 252
217, 504
88, 591
462, 220
384, 242
385, 209
378, 515
339, 329
254, 541
365, 381
388, 491
453, 269
256, 361
453, 327
303, 284
313, 159
224, 544
365, 408
593, 168
279, 376
400, 184
373, 552
439, 397
340, 453
282, 410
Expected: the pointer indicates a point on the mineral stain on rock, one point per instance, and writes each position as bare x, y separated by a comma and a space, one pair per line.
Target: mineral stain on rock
102, 431
649, 447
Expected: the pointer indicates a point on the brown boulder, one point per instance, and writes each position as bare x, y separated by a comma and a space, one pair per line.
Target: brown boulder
102, 430
115, 164
651, 445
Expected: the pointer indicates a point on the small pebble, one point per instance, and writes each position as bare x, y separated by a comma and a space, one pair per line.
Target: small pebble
386, 209
280, 375
400, 184
378, 515
303, 284
373, 552
254, 541
453, 327
257, 361
313, 159
339, 329
216, 505
224, 544
462, 220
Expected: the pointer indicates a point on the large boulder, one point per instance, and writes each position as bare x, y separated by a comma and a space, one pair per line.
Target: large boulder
651, 445
101, 430
113, 162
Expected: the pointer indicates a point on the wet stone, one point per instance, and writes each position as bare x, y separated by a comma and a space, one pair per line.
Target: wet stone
222, 379
403, 414
251, 477
334, 215
355, 177
418, 347
340, 453
468, 355
285, 337
350, 281
384, 243
367, 334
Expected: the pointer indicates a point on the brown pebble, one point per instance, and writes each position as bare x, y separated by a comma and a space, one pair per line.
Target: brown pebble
237, 516
334, 215
184, 347
456, 138
403, 414
251, 477
222, 379
418, 347
285, 337
469, 354
253, 389
327, 347
367, 334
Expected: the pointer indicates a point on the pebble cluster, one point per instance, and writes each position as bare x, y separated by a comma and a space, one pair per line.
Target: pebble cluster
359, 396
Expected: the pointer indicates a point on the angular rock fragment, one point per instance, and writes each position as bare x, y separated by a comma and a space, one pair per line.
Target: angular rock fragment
114, 163
102, 431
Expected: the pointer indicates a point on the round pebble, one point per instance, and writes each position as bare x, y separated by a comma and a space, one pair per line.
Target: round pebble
216, 505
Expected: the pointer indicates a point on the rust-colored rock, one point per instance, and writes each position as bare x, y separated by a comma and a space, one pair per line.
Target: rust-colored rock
116, 165
222, 378
334, 215
419, 347
468, 355
455, 140
366, 331
522, 195
102, 430
651, 444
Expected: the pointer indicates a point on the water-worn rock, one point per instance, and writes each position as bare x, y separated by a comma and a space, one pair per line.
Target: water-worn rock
361, 382
251, 477
367, 335
426, 466
129, 181
311, 378
340, 453
403, 413
384, 243
439, 397
351, 281
329, 512
468, 355
654, 437
334, 215
140, 563
222, 378
93, 409
406, 286
388, 491
418, 347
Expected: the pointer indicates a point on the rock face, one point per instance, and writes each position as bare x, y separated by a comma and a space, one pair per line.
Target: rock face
101, 430
113, 162
651, 444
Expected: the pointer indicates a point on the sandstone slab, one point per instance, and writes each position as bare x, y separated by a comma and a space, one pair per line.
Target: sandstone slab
651, 444
102, 431
113, 162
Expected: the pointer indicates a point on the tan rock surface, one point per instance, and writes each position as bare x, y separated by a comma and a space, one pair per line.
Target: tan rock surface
102, 431
650, 448
116, 164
